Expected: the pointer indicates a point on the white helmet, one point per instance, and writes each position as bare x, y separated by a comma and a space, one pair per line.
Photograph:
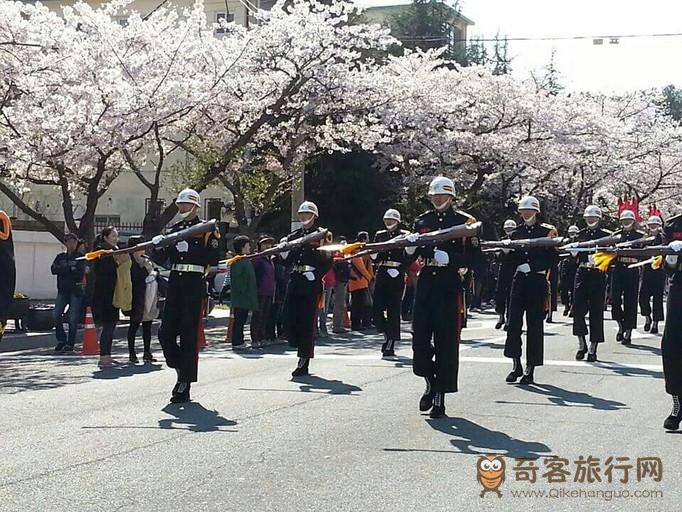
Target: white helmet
509, 224
573, 230
627, 215
189, 196
308, 207
655, 219
592, 211
529, 203
442, 185
392, 214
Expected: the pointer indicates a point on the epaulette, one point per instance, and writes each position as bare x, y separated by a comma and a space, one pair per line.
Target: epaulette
552, 230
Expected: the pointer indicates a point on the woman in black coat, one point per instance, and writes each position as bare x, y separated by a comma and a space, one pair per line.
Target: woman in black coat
103, 310
140, 273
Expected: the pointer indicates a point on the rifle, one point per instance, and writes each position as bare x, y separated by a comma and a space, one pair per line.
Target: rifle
588, 244
169, 239
401, 241
655, 253
545, 242
284, 247
629, 244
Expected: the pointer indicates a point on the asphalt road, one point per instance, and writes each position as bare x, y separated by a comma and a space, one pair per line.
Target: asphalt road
348, 438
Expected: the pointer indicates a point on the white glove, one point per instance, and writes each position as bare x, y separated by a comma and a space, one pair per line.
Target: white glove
157, 239
412, 237
280, 246
309, 276
441, 257
182, 246
676, 245
393, 272
410, 250
523, 268
374, 255
462, 271
574, 253
506, 251
671, 259
284, 254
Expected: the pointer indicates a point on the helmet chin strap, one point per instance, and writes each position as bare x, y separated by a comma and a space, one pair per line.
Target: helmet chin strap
444, 206
530, 221
189, 213
308, 223
592, 224
391, 225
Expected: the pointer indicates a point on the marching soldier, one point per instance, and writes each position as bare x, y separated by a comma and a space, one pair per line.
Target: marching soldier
307, 268
528, 292
505, 275
188, 261
590, 289
625, 282
671, 346
438, 306
7, 269
390, 283
653, 282
567, 272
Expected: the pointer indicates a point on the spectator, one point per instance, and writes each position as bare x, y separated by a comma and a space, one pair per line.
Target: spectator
144, 303
328, 284
264, 269
106, 276
360, 305
70, 291
342, 276
243, 290
277, 326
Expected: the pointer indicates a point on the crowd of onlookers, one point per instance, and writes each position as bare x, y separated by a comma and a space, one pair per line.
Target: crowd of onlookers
130, 284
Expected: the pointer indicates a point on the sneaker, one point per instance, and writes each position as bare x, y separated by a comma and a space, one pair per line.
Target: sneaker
59, 348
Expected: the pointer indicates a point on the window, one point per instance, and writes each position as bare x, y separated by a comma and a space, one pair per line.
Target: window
213, 208
229, 18
123, 21
160, 203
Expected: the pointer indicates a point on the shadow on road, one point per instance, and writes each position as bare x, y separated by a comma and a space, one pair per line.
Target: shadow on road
310, 383
195, 417
474, 439
117, 372
567, 398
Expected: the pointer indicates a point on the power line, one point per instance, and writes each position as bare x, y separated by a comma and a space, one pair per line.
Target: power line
574, 38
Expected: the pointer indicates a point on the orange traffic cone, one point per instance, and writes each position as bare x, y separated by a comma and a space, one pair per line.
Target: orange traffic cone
230, 327
90, 343
201, 337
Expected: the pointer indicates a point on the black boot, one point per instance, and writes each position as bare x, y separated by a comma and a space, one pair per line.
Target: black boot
516, 372
148, 358
181, 394
582, 348
567, 310
672, 422
438, 409
389, 350
528, 376
500, 322
654, 327
426, 400
592, 355
627, 337
302, 368
647, 323
549, 317
619, 334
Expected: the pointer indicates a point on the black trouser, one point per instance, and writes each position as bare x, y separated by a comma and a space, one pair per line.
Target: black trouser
146, 336
554, 287
672, 339
567, 285
438, 315
240, 317
388, 295
589, 294
528, 294
181, 317
652, 287
276, 325
106, 338
502, 289
260, 320
624, 284
408, 302
359, 308
301, 318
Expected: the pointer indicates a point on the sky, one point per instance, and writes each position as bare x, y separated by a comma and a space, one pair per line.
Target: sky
637, 63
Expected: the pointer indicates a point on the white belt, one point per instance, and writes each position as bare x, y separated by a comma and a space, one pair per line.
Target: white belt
186, 267
303, 268
391, 264
585, 264
626, 259
434, 263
